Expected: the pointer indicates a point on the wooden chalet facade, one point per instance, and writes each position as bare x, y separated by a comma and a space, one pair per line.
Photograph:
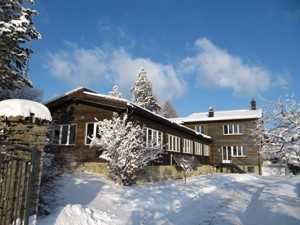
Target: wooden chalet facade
74, 114
232, 149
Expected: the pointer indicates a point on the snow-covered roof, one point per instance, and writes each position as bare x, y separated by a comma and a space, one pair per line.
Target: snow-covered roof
106, 96
221, 115
21, 107
66, 94
129, 104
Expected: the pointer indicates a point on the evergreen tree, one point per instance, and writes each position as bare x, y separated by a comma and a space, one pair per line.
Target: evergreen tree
143, 94
16, 32
115, 92
123, 146
168, 111
24, 92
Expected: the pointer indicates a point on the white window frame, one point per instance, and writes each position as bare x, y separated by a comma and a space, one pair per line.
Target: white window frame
237, 150
87, 138
154, 138
206, 150
200, 128
187, 146
59, 134
233, 129
173, 143
198, 148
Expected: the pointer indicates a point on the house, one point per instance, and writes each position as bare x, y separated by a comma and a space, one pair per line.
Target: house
74, 114
232, 149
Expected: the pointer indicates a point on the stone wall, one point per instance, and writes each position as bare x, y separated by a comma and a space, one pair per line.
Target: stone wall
150, 174
28, 132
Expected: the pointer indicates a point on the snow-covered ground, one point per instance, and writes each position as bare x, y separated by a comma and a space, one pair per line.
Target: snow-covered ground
92, 199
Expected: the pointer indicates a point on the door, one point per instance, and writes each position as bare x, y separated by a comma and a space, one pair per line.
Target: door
226, 154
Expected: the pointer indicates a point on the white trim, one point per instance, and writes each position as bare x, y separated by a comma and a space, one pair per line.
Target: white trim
198, 148
156, 139
206, 150
59, 128
187, 146
94, 132
173, 143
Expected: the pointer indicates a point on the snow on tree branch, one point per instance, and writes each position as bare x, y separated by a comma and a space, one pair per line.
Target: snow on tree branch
16, 29
143, 94
115, 92
278, 133
123, 145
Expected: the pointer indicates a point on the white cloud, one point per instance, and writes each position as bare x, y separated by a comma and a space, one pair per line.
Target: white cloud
95, 67
216, 67
78, 67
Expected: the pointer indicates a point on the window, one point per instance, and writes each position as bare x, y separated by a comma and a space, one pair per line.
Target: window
198, 148
173, 143
200, 129
250, 169
233, 129
236, 151
154, 138
91, 131
65, 134
187, 146
206, 150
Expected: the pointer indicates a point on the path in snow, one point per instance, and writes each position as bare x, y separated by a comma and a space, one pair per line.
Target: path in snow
206, 200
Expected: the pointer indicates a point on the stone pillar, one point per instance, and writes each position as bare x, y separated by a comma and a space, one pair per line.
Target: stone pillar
24, 123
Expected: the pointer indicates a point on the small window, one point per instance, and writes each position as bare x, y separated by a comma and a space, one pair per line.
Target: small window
251, 169
236, 151
206, 150
200, 129
198, 148
187, 146
91, 131
154, 138
173, 143
64, 134
230, 129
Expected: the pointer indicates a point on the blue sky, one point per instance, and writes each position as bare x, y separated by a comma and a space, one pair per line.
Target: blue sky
197, 53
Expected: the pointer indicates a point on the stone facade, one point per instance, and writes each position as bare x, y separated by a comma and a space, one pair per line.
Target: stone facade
26, 133
150, 174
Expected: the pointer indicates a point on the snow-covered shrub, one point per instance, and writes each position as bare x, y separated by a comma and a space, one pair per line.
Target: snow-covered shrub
186, 163
55, 163
123, 145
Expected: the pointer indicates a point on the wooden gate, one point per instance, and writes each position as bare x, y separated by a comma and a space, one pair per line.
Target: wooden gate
16, 180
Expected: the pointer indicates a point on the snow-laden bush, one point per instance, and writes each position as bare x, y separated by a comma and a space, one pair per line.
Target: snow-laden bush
123, 145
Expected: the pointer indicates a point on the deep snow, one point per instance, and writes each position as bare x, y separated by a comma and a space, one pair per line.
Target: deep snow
92, 199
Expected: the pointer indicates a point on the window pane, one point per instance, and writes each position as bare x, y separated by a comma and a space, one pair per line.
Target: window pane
241, 129
89, 132
72, 134
225, 129
234, 150
235, 129
230, 129
64, 135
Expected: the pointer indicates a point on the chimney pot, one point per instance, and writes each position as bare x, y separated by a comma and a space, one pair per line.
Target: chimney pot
253, 104
211, 112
